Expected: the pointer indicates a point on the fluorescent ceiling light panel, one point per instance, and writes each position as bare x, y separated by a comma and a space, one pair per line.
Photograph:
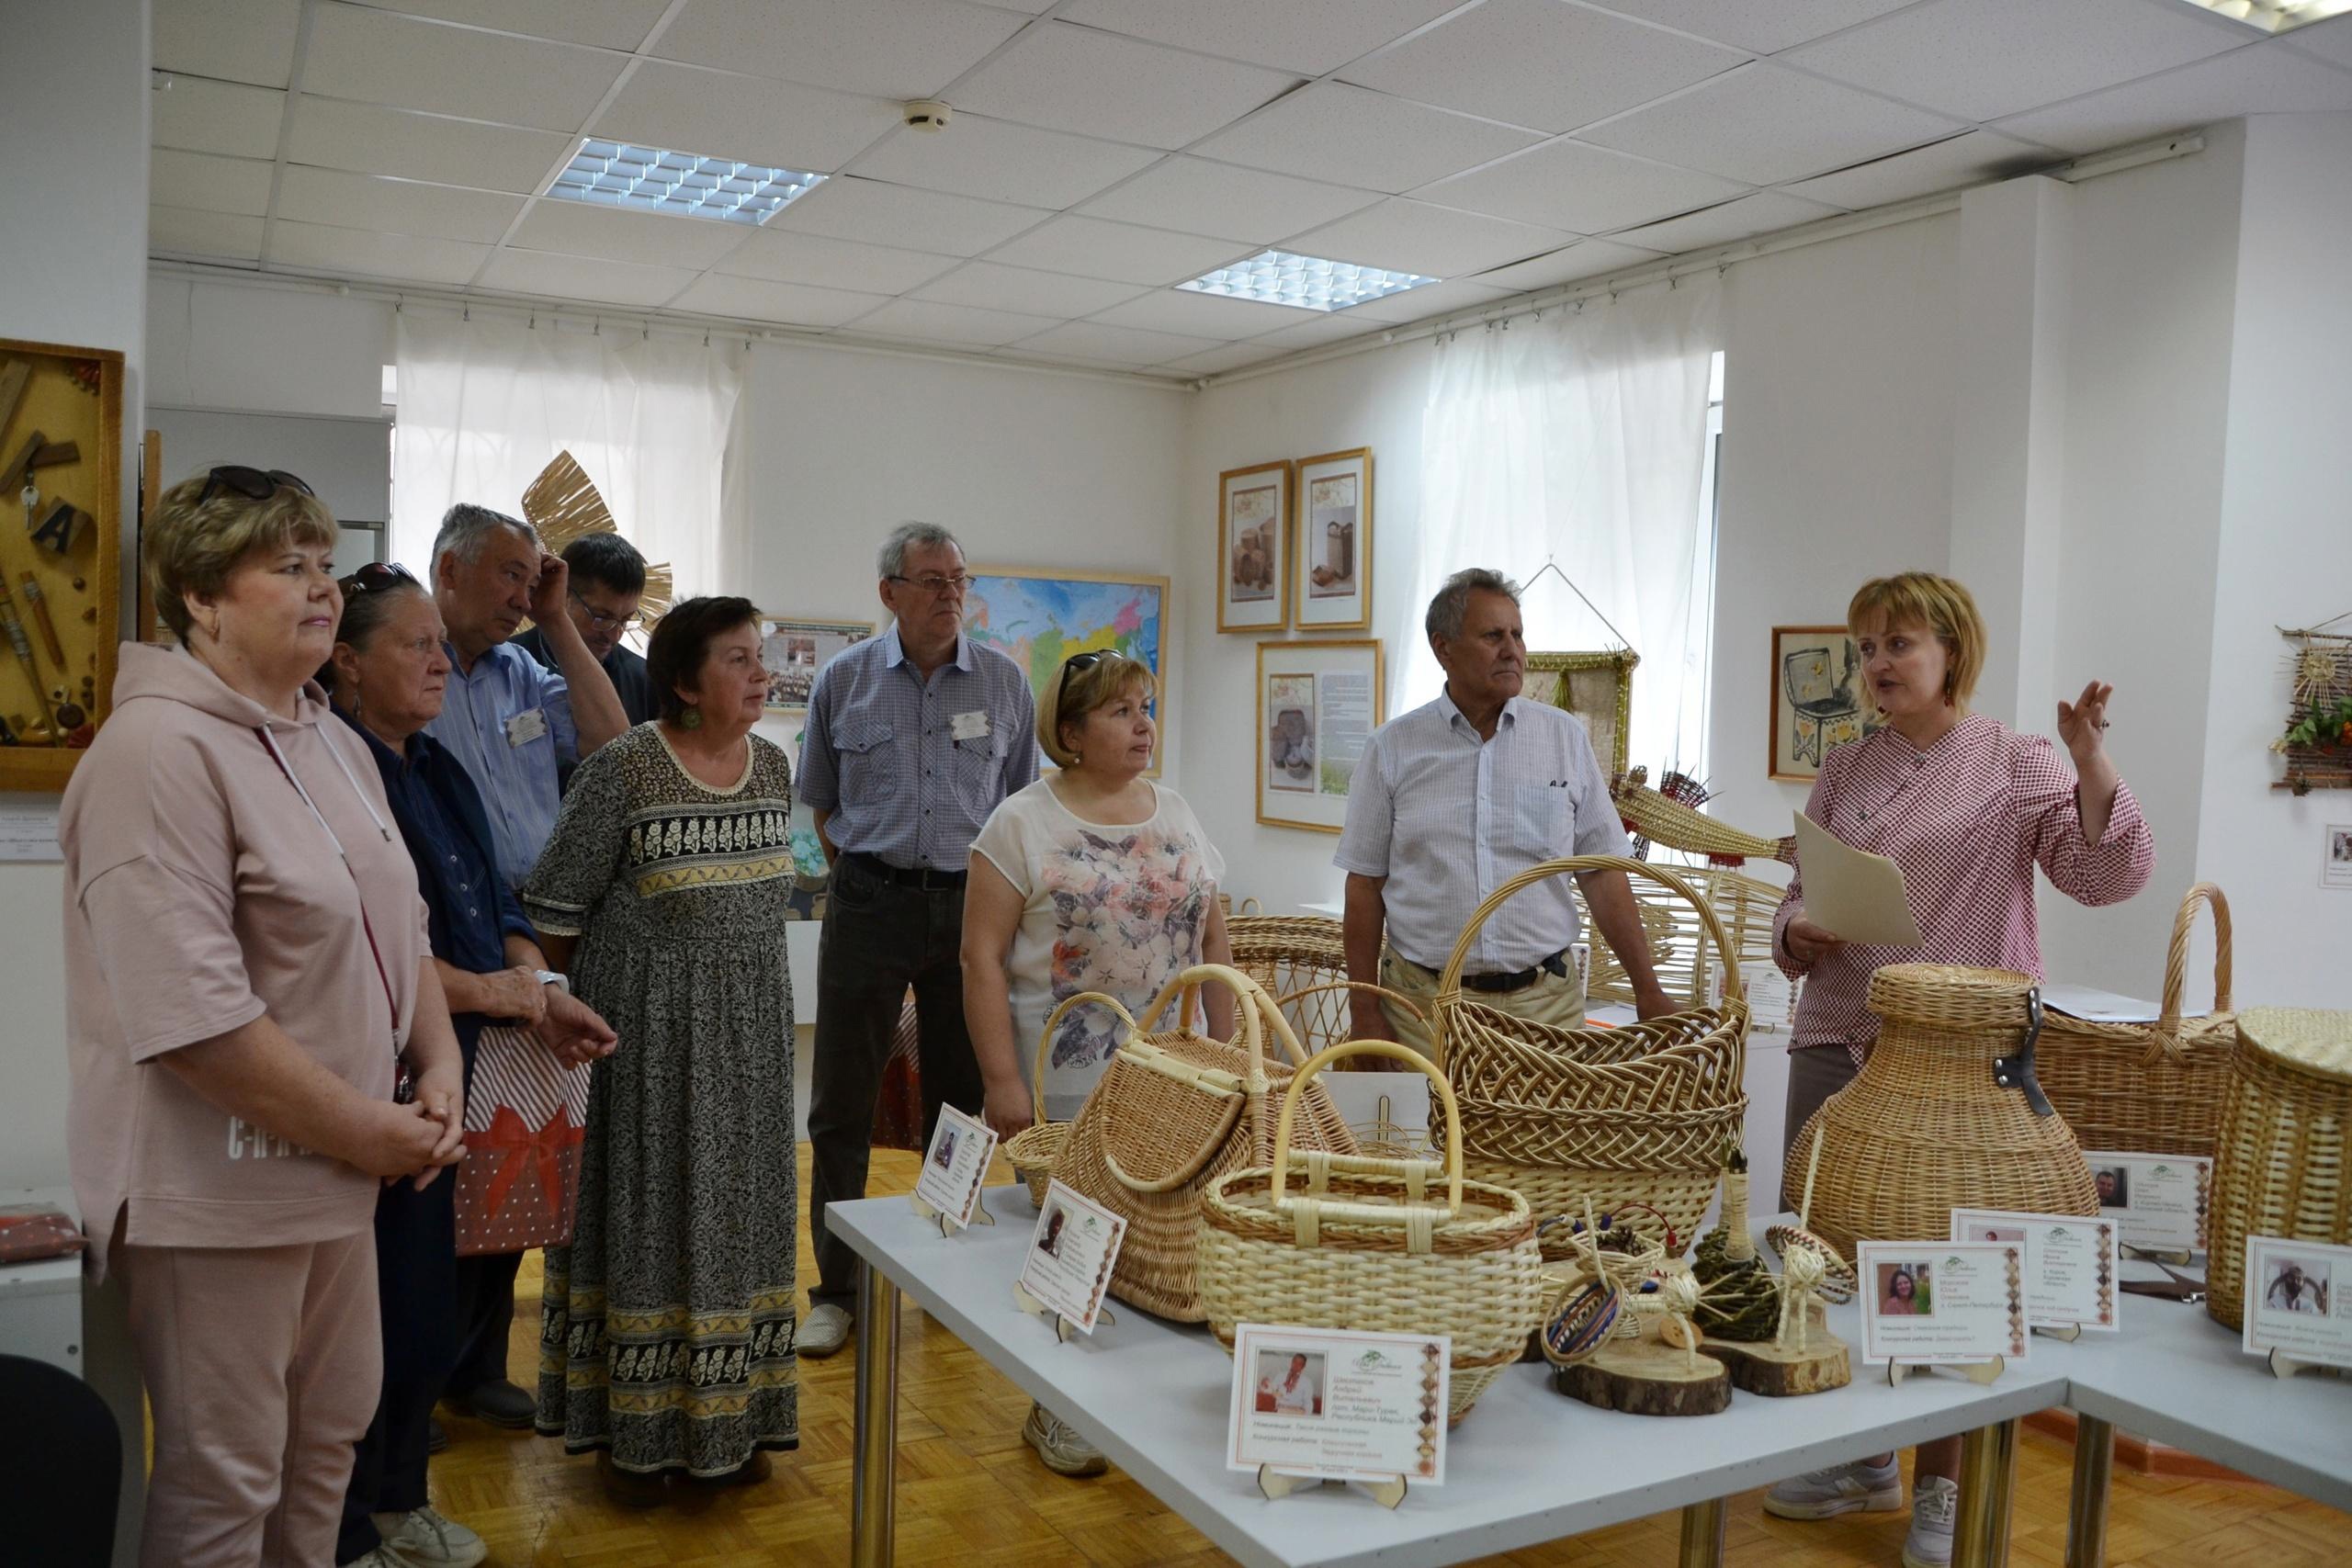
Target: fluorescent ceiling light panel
2277, 16
649, 179
1310, 283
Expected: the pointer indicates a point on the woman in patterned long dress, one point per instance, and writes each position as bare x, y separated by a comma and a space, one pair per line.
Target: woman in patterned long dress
1091, 879
666, 1325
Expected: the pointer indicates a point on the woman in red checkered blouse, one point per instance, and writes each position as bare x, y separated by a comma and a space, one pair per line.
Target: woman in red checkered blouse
1967, 808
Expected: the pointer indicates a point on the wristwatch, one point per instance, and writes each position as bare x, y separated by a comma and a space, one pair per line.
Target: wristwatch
556, 978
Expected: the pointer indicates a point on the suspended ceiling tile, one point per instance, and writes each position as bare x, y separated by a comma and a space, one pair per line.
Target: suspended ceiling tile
608, 24
1024, 290
1979, 60
1580, 189
203, 181
689, 109
1116, 345
229, 40
782, 256
846, 208
1092, 248
228, 118
1003, 161
1590, 258
1348, 136
194, 232
1766, 28
1542, 63
1968, 159
759, 299
361, 253
2269, 78
1737, 219
1225, 200
891, 49
1404, 235
1098, 84
1763, 124
583, 277
373, 139
1309, 36
380, 57
1201, 315
396, 206
930, 322
1421, 304
655, 239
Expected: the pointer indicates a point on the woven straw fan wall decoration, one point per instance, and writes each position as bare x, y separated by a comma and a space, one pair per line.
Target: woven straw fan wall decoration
563, 505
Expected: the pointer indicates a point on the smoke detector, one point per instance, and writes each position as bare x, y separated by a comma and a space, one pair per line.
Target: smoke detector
925, 114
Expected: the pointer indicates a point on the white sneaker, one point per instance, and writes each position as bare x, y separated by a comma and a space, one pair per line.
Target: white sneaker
1840, 1489
421, 1538
1934, 1503
824, 1331
379, 1558
1058, 1444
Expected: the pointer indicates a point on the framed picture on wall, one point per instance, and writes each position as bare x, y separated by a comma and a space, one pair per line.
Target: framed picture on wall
1254, 548
795, 650
1331, 576
1819, 700
1042, 617
1596, 687
1319, 702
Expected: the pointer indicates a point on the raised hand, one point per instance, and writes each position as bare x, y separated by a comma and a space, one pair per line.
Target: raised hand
547, 594
2082, 724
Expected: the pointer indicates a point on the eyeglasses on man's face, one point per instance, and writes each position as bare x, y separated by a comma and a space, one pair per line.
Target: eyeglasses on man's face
604, 620
935, 584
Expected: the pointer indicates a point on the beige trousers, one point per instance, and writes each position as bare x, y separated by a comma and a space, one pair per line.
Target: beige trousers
263, 1367
1554, 999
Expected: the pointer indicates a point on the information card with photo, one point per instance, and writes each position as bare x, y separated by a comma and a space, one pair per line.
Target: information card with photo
1943, 1301
2294, 1300
1339, 1405
955, 1165
1068, 1265
2071, 1263
2157, 1202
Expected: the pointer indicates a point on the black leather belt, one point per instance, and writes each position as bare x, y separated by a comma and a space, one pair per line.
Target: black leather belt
883, 871
1518, 980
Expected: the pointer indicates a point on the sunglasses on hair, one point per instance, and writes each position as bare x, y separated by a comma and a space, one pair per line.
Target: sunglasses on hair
254, 484
375, 577
1088, 660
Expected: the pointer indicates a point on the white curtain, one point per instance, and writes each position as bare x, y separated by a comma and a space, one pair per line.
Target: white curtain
484, 404
1580, 437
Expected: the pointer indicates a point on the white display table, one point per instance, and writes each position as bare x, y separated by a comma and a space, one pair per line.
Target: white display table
1527, 1465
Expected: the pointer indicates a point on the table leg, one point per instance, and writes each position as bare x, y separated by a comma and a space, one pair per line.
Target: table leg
2087, 1507
1702, 1535
873, 1473
1988, 1474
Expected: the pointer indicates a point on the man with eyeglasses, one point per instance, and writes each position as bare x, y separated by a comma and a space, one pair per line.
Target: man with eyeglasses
607, 580
913, 738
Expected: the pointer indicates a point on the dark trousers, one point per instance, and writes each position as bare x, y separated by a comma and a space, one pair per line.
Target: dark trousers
879, 938
417, 1241
485, 1296
1815, 1072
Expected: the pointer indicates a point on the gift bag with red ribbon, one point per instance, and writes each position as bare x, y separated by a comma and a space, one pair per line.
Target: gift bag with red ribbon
898, 1109
518, 1186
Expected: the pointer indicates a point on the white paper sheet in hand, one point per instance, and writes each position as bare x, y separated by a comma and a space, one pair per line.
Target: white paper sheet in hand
1851, 892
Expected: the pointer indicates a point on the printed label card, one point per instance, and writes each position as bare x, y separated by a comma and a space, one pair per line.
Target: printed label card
2156, 1201
1339, 1407
955, 1165
2294, 1300
1936, 1302
1068, 1265
2071, 1263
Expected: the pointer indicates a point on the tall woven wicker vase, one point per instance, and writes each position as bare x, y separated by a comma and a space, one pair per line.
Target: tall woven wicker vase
1926, 1128
2285, 1164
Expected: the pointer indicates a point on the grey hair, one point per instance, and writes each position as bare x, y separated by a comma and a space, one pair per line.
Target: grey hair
1452, 601
466, 527
911, 537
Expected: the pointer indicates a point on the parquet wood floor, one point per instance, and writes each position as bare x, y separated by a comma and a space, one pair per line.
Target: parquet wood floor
972, 1496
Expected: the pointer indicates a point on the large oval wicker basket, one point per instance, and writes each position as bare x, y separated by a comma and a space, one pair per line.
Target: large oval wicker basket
2134, 1088
1401, 1247
2285, 1164
1172, 1111
1566, 1117
1925, 1129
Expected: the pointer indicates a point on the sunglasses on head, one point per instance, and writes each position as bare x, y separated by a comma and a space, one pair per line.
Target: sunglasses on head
375, 577
1088, 660
254, 484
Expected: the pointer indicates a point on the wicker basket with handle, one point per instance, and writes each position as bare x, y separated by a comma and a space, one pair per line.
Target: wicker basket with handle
1174, 1110
1289, 955
2284, 1168
1033, 1150
1639, 1114
1679, 947
1926, 1128
1400, 1247
2156, 1089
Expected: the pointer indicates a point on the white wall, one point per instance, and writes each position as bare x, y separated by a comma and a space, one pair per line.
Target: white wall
254, 348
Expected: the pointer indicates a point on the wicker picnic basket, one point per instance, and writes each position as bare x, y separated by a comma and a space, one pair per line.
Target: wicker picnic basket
1925, 1128
1679, 947
1401, 1247
1033, 1150
1639, 1114
1174, 1110
2143, 1088
2285, 1164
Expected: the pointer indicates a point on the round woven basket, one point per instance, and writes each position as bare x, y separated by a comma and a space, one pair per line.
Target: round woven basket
2285, 1164
1924, 1129
1294, 956
1400, 1247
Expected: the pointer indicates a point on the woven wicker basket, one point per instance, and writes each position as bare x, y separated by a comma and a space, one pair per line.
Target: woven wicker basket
2285, 1164
1291, 955
1923, 1129
1686, 965
2138, 1088
1641, 1114
1033, 1150
1172, 1111
1374, 1243
1666, 821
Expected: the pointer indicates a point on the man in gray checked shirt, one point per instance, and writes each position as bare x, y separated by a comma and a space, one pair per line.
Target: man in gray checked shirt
913, 738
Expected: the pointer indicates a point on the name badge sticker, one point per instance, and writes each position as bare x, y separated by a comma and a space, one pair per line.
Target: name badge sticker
526, 726
972, 725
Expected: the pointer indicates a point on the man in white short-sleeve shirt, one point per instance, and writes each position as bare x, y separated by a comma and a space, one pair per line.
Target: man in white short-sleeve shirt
1455, 798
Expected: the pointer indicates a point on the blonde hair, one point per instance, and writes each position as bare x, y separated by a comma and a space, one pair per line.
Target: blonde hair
1943, 605
192, 548
1071, 694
